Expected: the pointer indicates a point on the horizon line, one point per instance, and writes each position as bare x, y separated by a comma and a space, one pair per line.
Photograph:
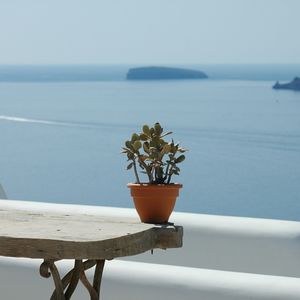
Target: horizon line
143, 64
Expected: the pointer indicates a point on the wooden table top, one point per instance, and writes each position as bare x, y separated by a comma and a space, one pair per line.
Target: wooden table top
80, 236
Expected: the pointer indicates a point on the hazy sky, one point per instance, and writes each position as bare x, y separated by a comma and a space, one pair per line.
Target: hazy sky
149, 31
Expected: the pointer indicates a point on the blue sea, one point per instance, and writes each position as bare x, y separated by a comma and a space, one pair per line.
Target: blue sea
62, 128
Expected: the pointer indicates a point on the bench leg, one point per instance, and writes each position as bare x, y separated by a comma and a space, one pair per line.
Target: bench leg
64, 288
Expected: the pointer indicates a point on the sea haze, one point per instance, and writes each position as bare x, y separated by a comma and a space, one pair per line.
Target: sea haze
61, 140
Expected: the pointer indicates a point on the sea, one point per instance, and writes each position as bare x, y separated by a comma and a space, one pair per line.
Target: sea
62, 129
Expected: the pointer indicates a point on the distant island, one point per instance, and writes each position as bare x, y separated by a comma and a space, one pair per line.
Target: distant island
161, 73
293, 85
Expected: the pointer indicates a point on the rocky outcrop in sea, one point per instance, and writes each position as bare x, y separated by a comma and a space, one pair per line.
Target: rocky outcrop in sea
161, 73
293, 85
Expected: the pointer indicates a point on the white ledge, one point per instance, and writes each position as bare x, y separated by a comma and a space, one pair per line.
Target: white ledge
237, 244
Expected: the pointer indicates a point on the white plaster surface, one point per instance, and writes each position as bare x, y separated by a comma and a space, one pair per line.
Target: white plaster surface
260, 246
223, 258
19, 279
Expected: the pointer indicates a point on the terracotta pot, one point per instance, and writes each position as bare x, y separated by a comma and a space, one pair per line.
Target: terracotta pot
154, 202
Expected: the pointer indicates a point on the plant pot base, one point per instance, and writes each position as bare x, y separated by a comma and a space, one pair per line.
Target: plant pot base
154, 203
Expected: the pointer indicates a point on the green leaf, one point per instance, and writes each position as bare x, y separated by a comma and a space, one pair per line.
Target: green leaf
130, 166
152, 144
137, 145
146, 147
167, 133
173, 149
130, 155
157, 128
156, 141
146, 129
180, 159
128, 144
166, 148
143, 137
135, 137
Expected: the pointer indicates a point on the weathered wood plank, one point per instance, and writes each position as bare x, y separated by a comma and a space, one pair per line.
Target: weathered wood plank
86, 236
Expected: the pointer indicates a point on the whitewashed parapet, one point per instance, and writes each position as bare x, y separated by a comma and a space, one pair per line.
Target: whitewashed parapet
237, 244
215, 242
133, 280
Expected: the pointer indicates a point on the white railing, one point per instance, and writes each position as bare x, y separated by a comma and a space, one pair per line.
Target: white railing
222, 258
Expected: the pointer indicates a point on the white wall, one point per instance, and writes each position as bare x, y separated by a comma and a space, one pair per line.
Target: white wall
234, 244
19, 279
249, 247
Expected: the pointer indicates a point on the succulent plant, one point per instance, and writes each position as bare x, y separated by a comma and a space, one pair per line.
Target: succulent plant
157, 158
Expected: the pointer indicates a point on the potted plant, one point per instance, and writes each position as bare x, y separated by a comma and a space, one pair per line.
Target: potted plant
158, 160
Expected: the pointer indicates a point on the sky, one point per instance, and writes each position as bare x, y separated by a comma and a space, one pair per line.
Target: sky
149, 31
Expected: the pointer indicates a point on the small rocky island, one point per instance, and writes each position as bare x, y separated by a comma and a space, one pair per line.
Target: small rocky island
293, 85
161, 73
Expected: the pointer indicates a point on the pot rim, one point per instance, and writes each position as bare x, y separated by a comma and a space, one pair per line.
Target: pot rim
152, 185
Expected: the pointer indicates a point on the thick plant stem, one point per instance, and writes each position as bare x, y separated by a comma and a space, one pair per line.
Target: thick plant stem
135, 172
170, 175
167, 172
146, 168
